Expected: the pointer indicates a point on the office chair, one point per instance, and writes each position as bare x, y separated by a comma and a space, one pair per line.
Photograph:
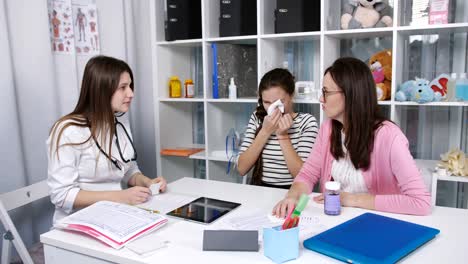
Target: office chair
13, 200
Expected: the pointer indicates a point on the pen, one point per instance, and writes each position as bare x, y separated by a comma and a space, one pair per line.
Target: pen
149, 210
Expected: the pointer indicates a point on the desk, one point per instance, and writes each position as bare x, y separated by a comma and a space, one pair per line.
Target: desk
450, 246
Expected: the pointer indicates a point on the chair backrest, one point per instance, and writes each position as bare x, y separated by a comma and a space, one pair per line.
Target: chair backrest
13, 200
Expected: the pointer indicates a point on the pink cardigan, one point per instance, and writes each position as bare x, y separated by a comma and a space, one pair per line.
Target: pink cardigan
392, 176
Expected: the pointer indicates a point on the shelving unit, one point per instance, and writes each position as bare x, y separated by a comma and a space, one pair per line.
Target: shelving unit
431, 128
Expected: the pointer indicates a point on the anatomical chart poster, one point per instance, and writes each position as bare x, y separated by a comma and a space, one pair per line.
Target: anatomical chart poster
86, 29
61, 26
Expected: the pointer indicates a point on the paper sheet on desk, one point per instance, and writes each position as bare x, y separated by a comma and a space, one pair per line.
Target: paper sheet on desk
308, 225
166, 202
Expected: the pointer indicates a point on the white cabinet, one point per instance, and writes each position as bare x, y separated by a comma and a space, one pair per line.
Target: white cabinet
418, 51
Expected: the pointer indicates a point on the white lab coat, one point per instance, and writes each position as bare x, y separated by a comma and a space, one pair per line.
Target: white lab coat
84, 167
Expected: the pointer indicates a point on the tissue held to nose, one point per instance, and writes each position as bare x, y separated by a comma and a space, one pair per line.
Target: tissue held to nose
277, 104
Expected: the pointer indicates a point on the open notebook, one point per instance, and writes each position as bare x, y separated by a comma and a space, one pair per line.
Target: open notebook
113, 223
371, 238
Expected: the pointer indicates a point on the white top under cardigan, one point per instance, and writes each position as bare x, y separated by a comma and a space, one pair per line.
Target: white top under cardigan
84, 167
344, 172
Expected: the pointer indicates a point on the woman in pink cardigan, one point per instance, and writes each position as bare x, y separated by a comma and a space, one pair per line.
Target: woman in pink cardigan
359, 148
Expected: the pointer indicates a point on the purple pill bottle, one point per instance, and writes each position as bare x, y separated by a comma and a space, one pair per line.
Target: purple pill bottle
332, 203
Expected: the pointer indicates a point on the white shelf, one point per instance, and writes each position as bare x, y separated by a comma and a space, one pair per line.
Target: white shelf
433, 29
199, 155
190, 100
175, 116
184, 43
251, 39
360, 33
453, 178
314, 35
238, 100
431, 104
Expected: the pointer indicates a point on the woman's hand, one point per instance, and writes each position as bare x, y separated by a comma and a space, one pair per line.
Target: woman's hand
160, 180
283, 207
284, 124
270, 122
135, 195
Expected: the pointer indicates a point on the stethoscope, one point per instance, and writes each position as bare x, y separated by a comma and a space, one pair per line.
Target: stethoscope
117, 142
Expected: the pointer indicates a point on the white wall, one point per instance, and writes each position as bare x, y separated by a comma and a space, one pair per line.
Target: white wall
37, 87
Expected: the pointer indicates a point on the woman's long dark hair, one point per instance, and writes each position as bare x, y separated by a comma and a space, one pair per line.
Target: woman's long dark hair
275, 78
100, 80
362, 116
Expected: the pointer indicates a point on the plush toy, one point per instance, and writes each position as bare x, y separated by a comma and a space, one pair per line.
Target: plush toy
365, 14
417, 91
381, 67
439, 85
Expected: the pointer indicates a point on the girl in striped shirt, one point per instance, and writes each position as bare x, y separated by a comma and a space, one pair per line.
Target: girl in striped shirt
276, 145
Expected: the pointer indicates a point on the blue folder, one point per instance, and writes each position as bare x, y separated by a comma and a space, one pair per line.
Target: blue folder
371, 238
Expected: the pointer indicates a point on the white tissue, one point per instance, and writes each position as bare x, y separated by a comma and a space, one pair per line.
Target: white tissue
155, 188
277, 104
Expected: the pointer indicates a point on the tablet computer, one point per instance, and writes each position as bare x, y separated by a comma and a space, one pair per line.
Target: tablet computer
204, 210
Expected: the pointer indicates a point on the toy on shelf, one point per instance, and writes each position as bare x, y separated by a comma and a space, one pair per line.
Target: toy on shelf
455, 162
439, 85
365, 14
417, 91
381, 67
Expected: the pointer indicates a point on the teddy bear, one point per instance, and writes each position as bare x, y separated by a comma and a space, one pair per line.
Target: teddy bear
381, 67
365, 14
417, 90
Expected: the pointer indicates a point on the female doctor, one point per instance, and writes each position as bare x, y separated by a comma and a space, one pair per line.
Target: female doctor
90, 151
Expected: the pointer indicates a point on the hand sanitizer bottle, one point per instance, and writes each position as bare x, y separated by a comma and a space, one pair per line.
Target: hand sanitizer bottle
232, 90
461, 88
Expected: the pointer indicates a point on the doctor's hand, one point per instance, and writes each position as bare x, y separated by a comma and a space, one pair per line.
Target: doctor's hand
270, 122
284, 124
159, 180
283, 207
135, 195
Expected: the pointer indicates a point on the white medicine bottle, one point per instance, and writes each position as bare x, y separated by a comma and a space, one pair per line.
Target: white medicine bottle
232, 90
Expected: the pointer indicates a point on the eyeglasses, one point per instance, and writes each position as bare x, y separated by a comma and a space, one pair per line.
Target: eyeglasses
114, 161
326, 93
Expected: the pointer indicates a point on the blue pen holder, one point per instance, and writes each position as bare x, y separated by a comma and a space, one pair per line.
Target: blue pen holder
281, 245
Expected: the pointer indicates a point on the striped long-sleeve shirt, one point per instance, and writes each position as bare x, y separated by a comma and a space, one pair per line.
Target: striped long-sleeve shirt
302, 135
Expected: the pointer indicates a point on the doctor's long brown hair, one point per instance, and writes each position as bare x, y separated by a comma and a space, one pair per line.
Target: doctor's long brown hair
362, 115
275, 78
100, 80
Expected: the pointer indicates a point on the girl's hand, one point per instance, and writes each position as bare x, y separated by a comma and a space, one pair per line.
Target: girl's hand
270, 122
283, 207
284, 124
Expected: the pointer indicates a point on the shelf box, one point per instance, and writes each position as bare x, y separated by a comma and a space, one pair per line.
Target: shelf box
416, 13
429, 55
221, 118
184, 61
183, 125
300, 56
175, 168
218, 172
333, 10
238, 61
432, 130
